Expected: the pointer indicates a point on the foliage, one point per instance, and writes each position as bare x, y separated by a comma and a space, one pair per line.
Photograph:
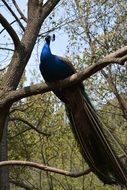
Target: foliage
59, 149
98, 29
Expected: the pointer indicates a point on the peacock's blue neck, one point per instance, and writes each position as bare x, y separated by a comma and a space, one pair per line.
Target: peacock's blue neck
46, 52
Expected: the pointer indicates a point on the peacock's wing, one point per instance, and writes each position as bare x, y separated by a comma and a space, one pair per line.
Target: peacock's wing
59, 93
66, 61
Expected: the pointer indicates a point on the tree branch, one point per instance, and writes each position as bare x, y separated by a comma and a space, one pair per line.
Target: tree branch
32, 7
121, 101
10, 30
7, 49
13, 14
49, 6
13, 96
21, 184
3, 69
44, 167
19, 11
10, 24
29, 124
119, 53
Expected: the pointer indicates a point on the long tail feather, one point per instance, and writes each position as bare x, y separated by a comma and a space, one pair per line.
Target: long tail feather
91, 135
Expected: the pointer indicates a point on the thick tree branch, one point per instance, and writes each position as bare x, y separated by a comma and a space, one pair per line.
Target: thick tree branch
75, 78
32, 7
49, 6
10, 30
44, 167
10, 24
119, 53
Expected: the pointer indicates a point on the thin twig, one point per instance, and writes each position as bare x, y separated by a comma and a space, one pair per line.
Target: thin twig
19, 11
13, 14
7, 49
29, 124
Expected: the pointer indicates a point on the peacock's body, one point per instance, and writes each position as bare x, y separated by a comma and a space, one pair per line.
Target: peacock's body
89, 131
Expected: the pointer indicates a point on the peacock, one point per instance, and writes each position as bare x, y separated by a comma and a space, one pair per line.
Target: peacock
97, 144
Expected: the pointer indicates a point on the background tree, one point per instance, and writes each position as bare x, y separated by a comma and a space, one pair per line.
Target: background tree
96, 31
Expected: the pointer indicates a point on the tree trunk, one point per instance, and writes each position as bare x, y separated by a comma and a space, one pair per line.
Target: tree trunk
4, 171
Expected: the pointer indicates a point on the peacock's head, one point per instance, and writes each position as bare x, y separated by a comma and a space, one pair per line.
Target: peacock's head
49, 38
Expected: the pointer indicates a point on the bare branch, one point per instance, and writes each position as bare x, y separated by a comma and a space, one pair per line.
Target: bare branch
49, 6
121, 101
3, 69
119, 53
29, 124
13, 14
10, 30
7, 49
21, 184
19, 11
10, 24
44, 167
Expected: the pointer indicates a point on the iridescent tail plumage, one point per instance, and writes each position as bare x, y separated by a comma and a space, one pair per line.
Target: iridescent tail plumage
98, 146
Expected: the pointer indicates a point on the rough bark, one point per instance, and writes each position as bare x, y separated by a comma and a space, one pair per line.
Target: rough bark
4, 171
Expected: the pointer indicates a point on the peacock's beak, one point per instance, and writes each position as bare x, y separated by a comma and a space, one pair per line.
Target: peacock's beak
53, 37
